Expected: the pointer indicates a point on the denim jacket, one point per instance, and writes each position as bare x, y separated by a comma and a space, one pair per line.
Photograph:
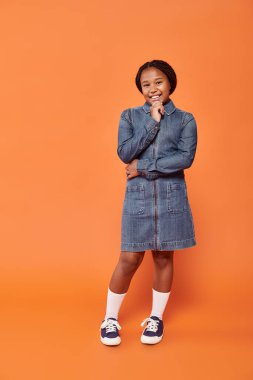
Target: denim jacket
162, 148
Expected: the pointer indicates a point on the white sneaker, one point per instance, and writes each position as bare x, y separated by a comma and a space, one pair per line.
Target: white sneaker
153, 332
109, 333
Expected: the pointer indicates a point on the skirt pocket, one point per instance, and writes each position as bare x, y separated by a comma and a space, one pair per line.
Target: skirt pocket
177, 200
134, 202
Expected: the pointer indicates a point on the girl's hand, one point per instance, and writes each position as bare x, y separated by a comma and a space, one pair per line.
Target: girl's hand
157, 110
131, 169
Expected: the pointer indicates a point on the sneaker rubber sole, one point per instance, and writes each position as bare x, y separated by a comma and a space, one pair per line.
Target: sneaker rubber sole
111, 341
151, 339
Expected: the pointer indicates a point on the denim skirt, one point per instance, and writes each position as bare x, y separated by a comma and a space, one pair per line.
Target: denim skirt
156, 215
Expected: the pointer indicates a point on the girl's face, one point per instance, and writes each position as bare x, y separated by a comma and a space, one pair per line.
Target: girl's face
155, 85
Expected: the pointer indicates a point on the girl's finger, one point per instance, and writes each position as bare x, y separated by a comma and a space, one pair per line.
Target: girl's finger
157, 104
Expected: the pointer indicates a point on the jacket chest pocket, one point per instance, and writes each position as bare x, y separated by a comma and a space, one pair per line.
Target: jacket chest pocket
134, 202
177, 200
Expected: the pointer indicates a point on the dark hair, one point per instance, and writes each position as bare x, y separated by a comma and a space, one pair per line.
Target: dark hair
161, 65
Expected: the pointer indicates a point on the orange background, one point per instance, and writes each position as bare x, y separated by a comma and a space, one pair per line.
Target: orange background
67, 72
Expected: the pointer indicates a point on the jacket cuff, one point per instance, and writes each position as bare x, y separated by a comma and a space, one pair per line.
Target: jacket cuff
152, 123
142, 166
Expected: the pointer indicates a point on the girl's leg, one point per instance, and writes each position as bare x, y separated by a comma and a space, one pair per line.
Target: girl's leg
163, 277
126, 267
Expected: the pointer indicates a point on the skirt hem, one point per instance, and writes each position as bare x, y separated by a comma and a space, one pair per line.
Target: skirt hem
164, 246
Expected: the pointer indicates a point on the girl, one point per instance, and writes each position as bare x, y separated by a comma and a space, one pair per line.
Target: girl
157, 141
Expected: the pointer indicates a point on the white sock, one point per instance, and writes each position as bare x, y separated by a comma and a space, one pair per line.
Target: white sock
114, 301
160, 300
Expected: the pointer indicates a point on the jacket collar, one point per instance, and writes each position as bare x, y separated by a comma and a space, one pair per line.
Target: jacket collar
169, 107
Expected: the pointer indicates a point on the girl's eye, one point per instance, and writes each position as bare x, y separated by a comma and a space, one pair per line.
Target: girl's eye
158, 82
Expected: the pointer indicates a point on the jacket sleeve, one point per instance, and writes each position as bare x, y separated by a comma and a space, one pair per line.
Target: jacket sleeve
182, 158
132, 141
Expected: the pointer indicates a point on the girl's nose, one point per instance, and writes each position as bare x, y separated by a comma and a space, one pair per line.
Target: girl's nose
153, 88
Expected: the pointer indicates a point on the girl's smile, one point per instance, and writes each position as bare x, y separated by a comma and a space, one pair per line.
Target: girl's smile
155, 85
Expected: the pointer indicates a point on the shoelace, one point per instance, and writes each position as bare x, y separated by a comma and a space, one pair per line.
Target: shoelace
110, 325
152, 325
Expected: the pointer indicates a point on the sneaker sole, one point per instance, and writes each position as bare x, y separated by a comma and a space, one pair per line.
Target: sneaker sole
150, 339
111, 341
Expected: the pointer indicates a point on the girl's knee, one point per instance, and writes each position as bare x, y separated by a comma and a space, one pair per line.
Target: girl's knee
130, 261
163, 258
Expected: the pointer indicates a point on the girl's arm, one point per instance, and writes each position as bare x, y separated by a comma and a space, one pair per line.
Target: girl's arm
132, 142
182, 158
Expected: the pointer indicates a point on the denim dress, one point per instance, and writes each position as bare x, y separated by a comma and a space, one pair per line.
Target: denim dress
156, 213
